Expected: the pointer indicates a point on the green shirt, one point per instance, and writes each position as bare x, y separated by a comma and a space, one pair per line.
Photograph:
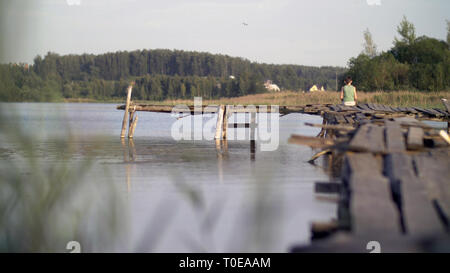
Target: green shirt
349, 93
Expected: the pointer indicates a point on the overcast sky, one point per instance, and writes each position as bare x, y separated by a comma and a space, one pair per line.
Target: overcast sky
316, 32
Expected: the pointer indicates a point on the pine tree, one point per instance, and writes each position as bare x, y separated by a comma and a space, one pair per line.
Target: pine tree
407, 32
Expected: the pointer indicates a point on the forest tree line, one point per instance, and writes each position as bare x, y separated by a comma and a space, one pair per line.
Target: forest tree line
413, 63
159, 74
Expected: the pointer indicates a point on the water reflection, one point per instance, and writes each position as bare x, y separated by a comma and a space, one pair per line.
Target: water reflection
184, 196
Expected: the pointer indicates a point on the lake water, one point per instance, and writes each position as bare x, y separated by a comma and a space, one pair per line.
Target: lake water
172, 196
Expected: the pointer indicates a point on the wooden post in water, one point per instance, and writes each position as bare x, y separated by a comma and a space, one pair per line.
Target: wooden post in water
133, 127
252, 125
130, 120
125, 115
252, 135
132, 123
219, 124
226, 115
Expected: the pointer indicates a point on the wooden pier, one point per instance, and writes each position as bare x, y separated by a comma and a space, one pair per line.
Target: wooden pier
392, 172
392, 180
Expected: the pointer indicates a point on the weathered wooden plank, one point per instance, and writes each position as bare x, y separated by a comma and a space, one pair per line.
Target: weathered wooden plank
414, 140
329, 118
395, 142
368, 138
443, 112
433, 170
349, 119
373, 106
364, 107
313, 142
340, 119
372, 209
208, 109
411, 110
419, 216
344, 242
333, 127
327, 187
360, 116
410, 121
429, 112
334, 108
385, 108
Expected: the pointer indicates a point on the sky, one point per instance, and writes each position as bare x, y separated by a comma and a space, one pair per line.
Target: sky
314, 32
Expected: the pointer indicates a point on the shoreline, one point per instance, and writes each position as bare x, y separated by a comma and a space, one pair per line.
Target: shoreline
288, 98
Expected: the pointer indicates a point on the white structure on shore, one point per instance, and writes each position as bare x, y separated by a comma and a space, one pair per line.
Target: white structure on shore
271, 86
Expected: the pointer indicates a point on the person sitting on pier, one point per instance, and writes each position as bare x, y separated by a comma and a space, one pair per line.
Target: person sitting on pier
348, 93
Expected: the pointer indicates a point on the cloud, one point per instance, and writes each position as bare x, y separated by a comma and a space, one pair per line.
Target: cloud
373, 2
73, 2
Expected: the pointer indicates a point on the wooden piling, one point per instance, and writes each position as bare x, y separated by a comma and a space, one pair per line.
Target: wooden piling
133, 127
130, 120
219, 124
252, 125
125, 114
226, 115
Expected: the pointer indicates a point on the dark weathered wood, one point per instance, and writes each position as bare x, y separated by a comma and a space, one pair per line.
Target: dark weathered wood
385, 108
411, 110
373, 106
368, 138
333, 108
433, 170
395, 142
226, 116
343, 242
327, 187
410, 121
360, 116
372, 210
443, 112
333, 127
323, 229
419, 216
364, 107
414, 140
429, 112
313, 142
340, 119
330, 119
349, 119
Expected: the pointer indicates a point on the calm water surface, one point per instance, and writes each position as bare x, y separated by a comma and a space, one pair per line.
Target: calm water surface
181, 196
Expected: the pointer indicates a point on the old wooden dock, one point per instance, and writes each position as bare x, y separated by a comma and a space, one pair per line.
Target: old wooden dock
391, 173
392, 179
